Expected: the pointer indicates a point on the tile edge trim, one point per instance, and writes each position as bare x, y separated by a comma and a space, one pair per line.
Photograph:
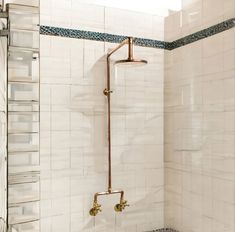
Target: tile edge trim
143, 42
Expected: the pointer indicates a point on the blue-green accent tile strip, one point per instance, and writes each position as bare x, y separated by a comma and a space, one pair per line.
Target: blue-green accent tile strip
98, 36
164, 230
105, 37
213, 30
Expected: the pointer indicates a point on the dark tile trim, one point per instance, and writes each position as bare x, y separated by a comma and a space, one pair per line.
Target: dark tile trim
164, 230
213, 30
98, 36
105, 37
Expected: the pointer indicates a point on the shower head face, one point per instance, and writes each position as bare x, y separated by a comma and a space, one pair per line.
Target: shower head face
131, 62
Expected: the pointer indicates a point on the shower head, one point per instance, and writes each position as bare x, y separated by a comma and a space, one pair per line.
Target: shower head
131, 62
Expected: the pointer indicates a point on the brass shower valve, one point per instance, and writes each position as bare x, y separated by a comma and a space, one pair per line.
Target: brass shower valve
96, 209
118, 207
121, 206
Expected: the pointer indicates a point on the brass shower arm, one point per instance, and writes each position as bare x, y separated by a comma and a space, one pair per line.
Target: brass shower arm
130, 42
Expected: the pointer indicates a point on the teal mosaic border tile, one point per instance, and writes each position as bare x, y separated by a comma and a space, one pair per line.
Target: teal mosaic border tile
213, 30
105, 37
164, 230
98, 36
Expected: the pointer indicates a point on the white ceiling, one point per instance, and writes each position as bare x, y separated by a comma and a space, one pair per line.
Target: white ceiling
158, 7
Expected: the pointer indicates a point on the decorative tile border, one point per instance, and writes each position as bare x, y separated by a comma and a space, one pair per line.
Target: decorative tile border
98, 36
105, 37
164, 230
213, 30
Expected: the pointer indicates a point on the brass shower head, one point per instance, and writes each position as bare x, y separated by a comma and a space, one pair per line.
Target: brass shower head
131, 61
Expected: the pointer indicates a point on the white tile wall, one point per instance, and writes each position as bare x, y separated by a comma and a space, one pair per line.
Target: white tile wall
74, 126
197, 15
24, 2
133, 24
198, 122
199, 131
79, 15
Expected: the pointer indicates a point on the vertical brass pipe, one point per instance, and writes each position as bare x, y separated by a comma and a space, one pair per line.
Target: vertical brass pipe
109, 127
108, 92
